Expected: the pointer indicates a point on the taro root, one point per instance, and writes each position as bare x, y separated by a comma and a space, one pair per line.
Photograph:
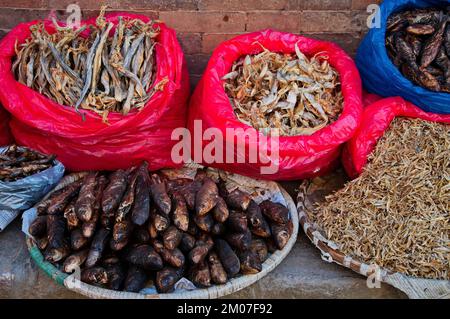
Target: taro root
238, 200
128, 198
180, 214
84, 206
280, 234
258, 224
199, 274
74, 261
41, 243
146, 257
218, 229
218, 273
141, 208
220, 211
171, 237
193, 228
159, 195
94, 276
229, 260
204, 222
275, 212
159, 222
259, 247
239, 241
97, 247
140, 235
114, 192
199, 252
187, 243
38, 227
167, 278
116, 275
77, 240
237, 222
135, 280
250, 263
71, 216
189, 193
55, 231
173, 257
206, 197
121, 235
56, 254
59, 202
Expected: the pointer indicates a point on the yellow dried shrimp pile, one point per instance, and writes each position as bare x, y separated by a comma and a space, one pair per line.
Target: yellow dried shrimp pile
291, 93
396, 214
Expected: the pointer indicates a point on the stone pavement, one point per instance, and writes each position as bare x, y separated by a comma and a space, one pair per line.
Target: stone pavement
302, 274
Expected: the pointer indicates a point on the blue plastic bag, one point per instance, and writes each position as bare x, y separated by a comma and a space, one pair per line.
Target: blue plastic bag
24, 193
381, 76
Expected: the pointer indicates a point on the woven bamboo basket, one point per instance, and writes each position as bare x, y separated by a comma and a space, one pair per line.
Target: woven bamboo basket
414, 288
262, 189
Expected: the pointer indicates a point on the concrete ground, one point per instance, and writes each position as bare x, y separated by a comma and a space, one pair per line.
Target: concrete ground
302, 274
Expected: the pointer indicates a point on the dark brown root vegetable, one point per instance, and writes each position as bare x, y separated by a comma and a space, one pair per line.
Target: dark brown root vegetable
218, 273
75, 261
258, 224
204, 222
135, 280
180, 214
38, 227
140, 235
141, 208
275, 212
200, 275
41, 243
94, 276
187, 243
199, 252
173, 257
77, 240
97, 247
250, 263
54, 255
237, 221
280, 235
59, 202
159, 195
171, 237
167, 278
218, 229
206, 197
189, 193
239, 241
160, 222
128, 198
238, 200
220, 211
121, 235
228, 258
113, 193
84, 206
56, 230
259, 247
116, 276
146, 257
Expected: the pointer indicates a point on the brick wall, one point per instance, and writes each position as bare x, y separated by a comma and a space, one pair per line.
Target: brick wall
202, 24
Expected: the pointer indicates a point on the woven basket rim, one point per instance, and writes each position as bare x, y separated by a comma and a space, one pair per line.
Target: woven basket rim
212, 292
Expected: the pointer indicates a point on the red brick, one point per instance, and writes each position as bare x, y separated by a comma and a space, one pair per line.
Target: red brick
362, 4
191, 43
347, 41
153, 5
23, 3
211, 40
240, 5
324, 4
329, 21
197, 21
288, 21
196, 63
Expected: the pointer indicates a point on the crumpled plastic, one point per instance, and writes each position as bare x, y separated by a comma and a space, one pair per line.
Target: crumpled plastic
375, 121
381, 76
299, 156
43, 124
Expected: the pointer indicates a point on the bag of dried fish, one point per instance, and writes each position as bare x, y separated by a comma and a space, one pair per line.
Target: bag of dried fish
396, 213
307, 89
409, 52
375, 121
131, 252
97, 101
25, 177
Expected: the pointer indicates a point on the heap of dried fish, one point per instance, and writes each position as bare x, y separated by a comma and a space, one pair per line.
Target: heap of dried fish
291, 93
97, 72
127, 227
396, 214
18, 162
418, 43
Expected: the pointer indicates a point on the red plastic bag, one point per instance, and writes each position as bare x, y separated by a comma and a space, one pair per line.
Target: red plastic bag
299, 156
5, 134
375, 121
45, 125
